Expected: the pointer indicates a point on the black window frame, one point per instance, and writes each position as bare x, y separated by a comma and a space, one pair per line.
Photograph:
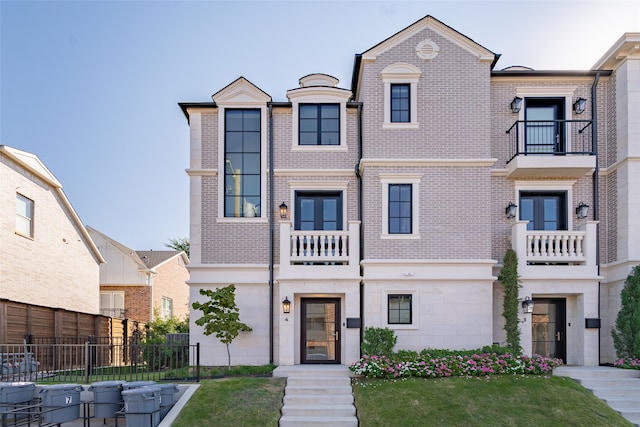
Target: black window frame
241, 159
404, 101
320, 121
399, 310
393, 229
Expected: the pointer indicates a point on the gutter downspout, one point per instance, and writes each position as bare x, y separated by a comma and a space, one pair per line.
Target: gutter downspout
271, 233
596, 190
360, 204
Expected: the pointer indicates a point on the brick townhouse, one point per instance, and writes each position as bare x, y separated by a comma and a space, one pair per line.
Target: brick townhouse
392, 202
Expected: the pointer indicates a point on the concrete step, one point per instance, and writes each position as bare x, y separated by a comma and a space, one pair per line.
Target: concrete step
314, 389
293, 421
311, 410
315, 371
621, 403
632, 417
584, 372
319, 381
626, 382
618, 392
307, 399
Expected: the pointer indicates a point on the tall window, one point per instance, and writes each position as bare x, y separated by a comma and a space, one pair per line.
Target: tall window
400, 103
24, 216
544, 210
400, 208
167, 308
319, 124
399, 307
242, 163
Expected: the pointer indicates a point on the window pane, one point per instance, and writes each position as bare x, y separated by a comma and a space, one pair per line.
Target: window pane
399, 309
319, 124
330, 138
330, 125
251, 121
400, 208
24, 216
251, 185
308, 111
233, 120
251, 143
307, 209
330, 111
310, 138
308, 125
400, 105
234, 142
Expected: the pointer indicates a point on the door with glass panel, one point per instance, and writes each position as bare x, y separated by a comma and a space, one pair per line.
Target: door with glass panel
544, 126
320, 214
320, 331
544, 210
548, 328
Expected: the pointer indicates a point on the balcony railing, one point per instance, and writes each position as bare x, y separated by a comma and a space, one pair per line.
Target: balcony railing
117, 313
329, 249
554, 247
550, 137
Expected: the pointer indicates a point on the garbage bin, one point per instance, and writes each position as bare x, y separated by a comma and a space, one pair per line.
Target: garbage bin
142, 406
61, 403
167, 392
107, 398
13, 394
137, 384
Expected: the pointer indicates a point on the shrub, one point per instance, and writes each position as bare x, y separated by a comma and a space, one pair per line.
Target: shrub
626, 333
378, 341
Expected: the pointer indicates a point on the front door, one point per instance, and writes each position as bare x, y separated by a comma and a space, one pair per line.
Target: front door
318, 210
544, 210
549, 331
320, 330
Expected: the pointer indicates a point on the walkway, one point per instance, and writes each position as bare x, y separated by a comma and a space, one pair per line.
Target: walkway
317, 395
619, 388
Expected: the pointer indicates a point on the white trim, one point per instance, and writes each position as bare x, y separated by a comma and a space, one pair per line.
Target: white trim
414, 180
314, 172
427, 162
401, 73
202, 172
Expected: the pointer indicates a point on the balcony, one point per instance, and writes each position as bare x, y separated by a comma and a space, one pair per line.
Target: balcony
551, 148
555, 253
319, 253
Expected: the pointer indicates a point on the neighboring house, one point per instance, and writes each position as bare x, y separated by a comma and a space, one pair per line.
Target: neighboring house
47, 257
134, 284
392, 203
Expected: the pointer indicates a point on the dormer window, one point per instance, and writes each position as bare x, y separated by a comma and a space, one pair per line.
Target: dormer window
319, 124
319, 110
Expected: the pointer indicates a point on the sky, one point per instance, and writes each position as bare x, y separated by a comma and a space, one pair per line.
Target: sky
92, 87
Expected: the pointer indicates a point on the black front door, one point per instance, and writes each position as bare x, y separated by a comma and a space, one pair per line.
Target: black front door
544, 123
548, 323
320, 330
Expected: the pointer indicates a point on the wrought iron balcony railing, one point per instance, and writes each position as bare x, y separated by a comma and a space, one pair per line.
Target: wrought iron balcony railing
550, 137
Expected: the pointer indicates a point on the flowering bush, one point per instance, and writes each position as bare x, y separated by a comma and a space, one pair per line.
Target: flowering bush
410, 364
627, 363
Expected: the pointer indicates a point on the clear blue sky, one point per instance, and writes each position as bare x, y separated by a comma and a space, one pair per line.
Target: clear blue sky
92, 87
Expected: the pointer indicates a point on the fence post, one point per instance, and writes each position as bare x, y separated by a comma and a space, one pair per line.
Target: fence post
198, 362
86, 362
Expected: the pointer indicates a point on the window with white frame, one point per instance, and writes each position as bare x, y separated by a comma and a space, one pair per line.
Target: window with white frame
319, 124
167, 308
400, 96
399, 309
400, 206
112, 304
24, 216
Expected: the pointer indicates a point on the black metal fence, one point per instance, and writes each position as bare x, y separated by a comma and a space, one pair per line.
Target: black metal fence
94, 361
551, 137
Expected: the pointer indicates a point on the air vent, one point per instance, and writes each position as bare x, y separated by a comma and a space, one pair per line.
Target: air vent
427, 49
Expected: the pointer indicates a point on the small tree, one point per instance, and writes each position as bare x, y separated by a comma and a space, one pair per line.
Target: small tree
509, 278
221, 316
626, 333
179, 244
378, 341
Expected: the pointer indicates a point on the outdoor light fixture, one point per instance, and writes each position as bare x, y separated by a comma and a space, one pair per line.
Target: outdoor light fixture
527, 305
283, 210
582, 210
511, 210
579, 105
286, 305
516, 104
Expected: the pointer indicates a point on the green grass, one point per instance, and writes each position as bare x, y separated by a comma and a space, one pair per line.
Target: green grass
235, 401
503, 400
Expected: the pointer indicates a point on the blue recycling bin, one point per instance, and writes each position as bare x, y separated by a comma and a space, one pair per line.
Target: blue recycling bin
12, 396
167, 394
107, 398
142, 406
60, 403
137, 384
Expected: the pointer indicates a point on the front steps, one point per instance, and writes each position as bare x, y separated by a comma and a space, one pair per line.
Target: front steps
317, 395
619, 388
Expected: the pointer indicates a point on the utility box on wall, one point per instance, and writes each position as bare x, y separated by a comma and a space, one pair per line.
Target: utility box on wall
592, 323
353, 322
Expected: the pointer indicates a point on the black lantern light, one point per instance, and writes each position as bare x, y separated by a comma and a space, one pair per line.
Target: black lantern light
527, 305
510, 210
283, 210
579, 105
516, 104
582, 210
286, 305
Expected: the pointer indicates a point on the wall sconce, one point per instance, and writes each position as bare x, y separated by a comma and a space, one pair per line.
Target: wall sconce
516, 104
283, 210
527, 305
286, 305
510, 210
582, 210
579, 105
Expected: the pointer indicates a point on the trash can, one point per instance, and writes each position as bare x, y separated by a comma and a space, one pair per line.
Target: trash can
107, 398
167, 392
137, 384
142, 406
13, 394
60, 403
